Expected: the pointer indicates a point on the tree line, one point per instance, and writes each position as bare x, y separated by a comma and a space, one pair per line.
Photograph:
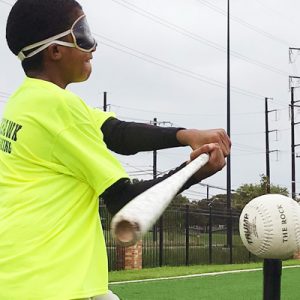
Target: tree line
240, 197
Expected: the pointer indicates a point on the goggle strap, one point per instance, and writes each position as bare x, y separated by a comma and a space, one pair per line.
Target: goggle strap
44, 44
22, 56
46, 41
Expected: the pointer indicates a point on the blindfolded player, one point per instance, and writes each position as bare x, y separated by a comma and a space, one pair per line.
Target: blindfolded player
55, 160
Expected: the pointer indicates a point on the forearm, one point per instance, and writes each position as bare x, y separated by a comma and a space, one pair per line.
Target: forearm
123, 191
130, 137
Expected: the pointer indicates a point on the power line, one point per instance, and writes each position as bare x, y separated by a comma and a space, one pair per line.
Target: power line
244, 23
245, 151
249, 147
194, 36
5, 2
253, 152
188, 114
192, 193
259, 132
175, 68
133, 119
248, 154
4, 94
181, 114
186, 72
271, 10
249, 133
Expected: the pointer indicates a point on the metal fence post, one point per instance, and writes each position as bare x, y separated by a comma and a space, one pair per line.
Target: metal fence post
187, 234
161, 240
210, 234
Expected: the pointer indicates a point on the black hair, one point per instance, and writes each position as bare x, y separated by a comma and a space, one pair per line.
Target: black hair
31, 21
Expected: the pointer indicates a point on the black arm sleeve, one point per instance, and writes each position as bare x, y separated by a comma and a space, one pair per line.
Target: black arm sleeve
130, 137
120, 193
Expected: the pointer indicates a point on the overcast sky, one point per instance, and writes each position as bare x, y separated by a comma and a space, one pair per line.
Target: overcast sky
167, 59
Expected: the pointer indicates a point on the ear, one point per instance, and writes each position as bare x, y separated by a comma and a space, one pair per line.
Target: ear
54, 52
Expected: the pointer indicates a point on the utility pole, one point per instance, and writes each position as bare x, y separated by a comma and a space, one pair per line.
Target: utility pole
104, 101
267, 146
267, 111
155, 155
154, 177
293, 145
293, 123
272, 267
161, 220
229, 216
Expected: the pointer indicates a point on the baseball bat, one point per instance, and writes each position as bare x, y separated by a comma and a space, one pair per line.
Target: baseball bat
141, 213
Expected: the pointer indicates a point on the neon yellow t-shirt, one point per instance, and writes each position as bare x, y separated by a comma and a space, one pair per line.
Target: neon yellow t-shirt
53, 166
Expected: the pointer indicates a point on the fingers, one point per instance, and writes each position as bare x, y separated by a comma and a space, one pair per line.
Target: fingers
223, 140
208, 148
216, 160
216, 156
214, 136
215, 142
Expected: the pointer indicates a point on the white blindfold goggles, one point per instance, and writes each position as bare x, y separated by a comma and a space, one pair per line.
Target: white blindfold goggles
81, 34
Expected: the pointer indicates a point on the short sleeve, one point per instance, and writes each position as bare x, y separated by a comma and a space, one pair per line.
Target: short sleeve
100, 116
81, 150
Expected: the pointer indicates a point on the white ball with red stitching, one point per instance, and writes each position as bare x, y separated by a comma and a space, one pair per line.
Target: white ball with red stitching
270, 226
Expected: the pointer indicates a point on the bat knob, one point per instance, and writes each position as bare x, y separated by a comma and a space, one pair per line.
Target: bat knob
126, 233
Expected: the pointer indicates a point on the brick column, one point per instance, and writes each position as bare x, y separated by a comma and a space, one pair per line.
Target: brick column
129, 258
120, 261
297, 255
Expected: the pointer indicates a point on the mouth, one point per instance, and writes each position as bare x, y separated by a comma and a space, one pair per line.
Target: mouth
89, 58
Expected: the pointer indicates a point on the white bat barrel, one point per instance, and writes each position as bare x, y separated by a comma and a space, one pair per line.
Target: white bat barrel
141, 213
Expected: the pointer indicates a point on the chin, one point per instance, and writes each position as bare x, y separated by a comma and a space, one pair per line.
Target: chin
87, 73
83, 77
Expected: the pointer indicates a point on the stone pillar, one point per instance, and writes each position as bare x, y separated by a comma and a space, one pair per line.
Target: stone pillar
129, 258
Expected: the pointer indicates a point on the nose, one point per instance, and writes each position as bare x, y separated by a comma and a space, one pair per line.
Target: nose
95, 47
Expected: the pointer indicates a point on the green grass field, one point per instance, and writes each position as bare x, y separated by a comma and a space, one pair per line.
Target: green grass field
237, 286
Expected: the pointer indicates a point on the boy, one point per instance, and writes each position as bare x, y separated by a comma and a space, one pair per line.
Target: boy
55, 162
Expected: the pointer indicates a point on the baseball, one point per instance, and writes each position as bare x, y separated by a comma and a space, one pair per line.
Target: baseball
270, 226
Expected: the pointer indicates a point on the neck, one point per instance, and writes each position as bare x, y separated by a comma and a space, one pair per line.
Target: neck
48, 77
